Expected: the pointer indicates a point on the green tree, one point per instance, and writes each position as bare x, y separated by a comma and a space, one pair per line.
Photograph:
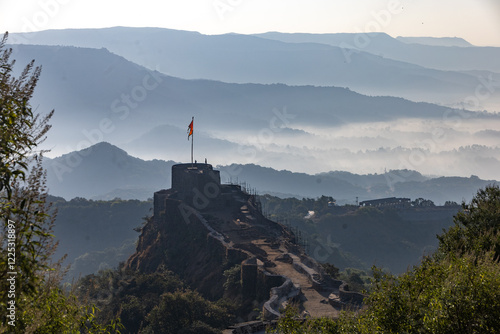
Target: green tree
292, 323
477, 226
453, 295
26, 220
186, 312
456, 290
421, 202
36, 302
233, 280
331, 270
21, 129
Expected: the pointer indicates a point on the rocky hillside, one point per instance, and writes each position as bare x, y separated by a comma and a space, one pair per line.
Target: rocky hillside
203, 244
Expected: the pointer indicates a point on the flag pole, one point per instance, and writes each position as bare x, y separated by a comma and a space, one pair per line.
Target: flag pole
192, 141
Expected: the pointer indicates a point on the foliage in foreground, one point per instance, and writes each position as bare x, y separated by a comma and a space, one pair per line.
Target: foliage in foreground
36, 302
155, 302
457, 290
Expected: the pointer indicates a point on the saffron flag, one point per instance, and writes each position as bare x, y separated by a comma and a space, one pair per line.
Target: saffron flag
190, 129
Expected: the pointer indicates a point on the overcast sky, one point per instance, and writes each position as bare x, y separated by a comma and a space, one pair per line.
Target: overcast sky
478, 21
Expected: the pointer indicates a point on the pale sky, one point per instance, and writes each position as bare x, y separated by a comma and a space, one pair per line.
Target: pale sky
477, 21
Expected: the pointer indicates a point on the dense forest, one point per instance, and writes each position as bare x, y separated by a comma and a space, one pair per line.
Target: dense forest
353, 236
456, 289
95, 235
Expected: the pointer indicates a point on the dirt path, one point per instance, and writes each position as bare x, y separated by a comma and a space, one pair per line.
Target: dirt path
314, 302
242, 231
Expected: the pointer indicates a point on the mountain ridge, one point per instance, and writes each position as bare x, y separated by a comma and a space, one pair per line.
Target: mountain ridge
99, 96
436, 41
449, 57
238, 58
105, 171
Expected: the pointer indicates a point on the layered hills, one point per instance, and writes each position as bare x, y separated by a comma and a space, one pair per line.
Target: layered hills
97, 233
105, 171
374, 64
449, 54
101, 95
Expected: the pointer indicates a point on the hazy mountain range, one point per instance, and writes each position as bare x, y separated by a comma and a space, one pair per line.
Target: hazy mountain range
435, 41
449, 54
103, 89
104, 171
373, 64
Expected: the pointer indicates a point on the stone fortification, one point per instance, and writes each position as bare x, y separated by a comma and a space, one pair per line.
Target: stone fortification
200, 228
195, 179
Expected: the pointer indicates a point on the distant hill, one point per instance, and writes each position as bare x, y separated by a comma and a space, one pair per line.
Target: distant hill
100, 96
444, 54
104, 172
346, 187
385, 66
84, 83
349, 236
435, 41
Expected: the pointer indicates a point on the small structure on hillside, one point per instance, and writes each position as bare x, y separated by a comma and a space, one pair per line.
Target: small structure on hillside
189, 178
392, 202
198, 185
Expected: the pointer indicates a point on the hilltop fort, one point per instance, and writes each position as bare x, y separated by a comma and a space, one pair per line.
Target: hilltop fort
201, 228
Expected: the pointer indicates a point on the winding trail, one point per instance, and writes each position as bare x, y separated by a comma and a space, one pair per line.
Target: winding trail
313, 301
